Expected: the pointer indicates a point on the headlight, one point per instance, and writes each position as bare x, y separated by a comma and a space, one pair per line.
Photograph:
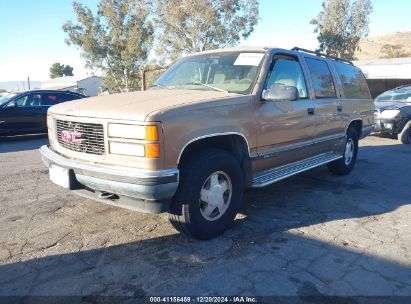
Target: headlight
126, 131
132, 149
149, 133
388, 114
126, 149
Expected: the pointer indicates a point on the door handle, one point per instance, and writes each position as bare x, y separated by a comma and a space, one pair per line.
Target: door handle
310, 111
339, 109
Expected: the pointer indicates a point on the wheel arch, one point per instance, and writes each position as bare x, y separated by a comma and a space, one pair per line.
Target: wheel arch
357, 125
233, 142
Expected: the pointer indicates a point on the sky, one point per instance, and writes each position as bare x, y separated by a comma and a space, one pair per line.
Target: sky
31, 38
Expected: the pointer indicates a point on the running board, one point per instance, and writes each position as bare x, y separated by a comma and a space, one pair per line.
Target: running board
274, 175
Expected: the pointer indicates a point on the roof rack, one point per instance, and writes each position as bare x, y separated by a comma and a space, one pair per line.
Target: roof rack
320, 54
402, 86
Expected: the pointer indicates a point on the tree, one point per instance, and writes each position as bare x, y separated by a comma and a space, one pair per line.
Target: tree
341, 25
197, 25
59, 70
117, 40
393, 51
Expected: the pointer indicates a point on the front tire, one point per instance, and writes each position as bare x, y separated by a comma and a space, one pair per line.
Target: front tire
209, 195
405, 136
344, 165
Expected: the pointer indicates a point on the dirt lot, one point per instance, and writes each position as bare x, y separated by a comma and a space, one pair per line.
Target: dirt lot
314, 234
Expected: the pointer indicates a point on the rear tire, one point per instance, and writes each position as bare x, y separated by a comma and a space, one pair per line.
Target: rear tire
405, 136
344, 165
209, 194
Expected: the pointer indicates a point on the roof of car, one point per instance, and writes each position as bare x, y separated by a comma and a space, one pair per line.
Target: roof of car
69, 79
46, 91
266, 49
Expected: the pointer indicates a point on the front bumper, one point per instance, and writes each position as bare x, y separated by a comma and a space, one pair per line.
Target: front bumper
391, 126
136, 189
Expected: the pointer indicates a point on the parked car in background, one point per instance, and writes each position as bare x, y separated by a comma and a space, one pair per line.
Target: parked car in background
26, 112
393, 113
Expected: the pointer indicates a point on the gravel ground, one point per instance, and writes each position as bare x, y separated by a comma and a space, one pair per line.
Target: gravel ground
311, 235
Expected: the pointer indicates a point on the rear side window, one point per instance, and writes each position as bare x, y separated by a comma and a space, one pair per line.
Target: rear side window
66, 97
49, 99
321, 78
353, 81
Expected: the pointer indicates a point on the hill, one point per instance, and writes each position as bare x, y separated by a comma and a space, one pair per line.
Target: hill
371, 46
19, 85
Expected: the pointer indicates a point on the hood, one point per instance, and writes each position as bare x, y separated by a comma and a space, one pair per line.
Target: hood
390, 105
135, 105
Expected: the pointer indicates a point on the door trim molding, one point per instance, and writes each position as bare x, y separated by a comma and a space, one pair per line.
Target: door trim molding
274, 152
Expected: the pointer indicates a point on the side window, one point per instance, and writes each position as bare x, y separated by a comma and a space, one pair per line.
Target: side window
287, 71
35, 100
353, 81
49, 99
22, 101
29, 100
62, 97
321, 78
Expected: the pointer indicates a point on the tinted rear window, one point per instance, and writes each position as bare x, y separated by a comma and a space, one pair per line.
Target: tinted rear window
67, 97
353, 81
321, 78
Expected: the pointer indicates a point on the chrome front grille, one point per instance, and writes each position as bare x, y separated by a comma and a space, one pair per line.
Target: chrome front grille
88, 137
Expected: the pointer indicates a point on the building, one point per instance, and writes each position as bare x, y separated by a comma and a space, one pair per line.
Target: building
385, 74
88, 85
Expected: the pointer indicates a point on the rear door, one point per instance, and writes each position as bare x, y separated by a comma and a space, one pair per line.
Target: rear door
327, 106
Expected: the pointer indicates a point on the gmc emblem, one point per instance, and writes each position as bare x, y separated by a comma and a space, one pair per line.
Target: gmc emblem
70, 136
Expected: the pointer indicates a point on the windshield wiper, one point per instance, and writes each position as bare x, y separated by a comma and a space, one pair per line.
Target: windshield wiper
159, 86
207, 85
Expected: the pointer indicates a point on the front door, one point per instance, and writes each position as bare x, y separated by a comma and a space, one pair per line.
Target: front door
22, 115
285, 129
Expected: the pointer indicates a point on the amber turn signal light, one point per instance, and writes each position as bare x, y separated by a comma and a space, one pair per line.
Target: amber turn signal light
152, 150
151, 133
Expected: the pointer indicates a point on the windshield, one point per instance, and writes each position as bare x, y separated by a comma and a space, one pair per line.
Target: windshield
6, 98
401, 95
227, 71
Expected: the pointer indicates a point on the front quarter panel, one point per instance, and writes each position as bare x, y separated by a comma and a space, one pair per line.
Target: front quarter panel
183, 125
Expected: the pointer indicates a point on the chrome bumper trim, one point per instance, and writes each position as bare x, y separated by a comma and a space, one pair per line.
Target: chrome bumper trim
134, 183
60, 160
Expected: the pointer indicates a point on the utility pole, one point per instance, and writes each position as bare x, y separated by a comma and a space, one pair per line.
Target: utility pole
143, 79
28, 82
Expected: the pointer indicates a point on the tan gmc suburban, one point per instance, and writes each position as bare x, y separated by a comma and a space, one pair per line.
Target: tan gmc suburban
212, 125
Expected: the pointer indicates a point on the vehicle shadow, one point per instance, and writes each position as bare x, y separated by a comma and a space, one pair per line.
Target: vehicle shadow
22, 142
267, 253
376, 185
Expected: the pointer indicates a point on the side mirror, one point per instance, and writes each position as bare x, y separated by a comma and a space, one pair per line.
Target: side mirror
280, 92
11, 104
